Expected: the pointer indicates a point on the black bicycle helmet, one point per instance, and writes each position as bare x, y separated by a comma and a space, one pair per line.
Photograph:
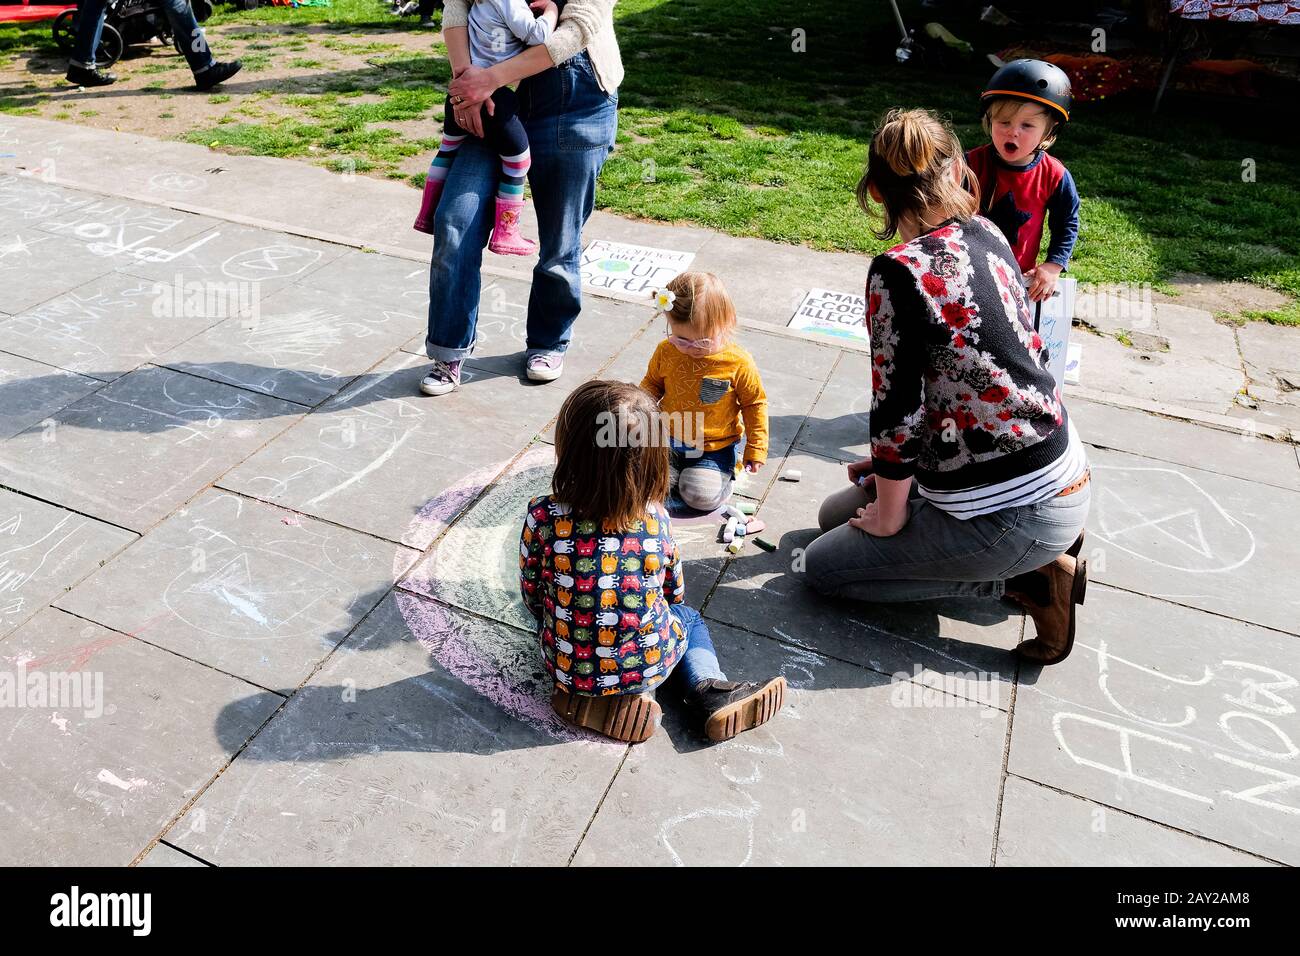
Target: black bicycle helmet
1035, 81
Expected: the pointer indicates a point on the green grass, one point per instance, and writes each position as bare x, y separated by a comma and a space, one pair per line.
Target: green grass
724, 124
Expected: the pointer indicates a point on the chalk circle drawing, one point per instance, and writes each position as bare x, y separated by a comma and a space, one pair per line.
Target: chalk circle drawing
476, 564
177, 182
1163, 516
280, 261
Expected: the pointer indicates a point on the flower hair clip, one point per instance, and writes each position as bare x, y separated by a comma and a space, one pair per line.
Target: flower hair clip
664, 299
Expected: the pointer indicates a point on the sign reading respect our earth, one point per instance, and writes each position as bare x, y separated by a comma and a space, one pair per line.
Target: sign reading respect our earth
615, 268
841, 314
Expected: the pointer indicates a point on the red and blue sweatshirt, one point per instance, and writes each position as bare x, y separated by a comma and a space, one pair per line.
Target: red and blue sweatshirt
1020, 199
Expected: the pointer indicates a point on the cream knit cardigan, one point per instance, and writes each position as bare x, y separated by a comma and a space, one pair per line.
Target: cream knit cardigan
584, 25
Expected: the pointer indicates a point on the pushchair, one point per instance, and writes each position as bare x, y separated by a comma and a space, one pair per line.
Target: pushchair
126, 23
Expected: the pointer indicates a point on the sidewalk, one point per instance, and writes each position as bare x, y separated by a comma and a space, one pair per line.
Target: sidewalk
295, 578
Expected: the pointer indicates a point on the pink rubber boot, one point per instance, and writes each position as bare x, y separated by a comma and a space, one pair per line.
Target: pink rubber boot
506, 240
428, 205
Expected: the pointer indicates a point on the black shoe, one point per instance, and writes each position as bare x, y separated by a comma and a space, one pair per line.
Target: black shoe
88, 76
217, 73
731, 708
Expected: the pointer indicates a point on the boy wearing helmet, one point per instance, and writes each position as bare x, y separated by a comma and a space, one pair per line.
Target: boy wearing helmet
1021, 186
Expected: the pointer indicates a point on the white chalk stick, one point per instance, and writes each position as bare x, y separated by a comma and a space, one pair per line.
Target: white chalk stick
791, 474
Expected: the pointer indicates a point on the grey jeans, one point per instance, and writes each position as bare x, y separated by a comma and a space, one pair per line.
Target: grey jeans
937, 555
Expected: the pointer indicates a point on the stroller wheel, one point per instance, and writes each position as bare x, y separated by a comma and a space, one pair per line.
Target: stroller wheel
110, 46
64, 29
202, 9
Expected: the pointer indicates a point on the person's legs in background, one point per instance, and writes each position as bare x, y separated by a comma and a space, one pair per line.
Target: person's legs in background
90, 27
571, 124
460, 229
208, 71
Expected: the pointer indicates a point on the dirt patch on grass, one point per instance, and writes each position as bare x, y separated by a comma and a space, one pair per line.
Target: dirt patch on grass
298, 80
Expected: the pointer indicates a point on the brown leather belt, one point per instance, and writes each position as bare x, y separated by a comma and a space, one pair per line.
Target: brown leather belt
1071, 489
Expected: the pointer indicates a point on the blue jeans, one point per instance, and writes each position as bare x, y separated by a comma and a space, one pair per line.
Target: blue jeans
90, 27
700, 662
699, 482
571, 124
937, 555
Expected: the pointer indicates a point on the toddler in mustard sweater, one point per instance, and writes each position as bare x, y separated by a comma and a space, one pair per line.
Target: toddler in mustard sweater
710, 391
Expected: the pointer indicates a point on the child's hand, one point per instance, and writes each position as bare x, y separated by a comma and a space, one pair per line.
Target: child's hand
1042, 281
753, 466
542, 7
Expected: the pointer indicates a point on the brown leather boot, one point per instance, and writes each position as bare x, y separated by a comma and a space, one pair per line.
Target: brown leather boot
631, 718
1065, 584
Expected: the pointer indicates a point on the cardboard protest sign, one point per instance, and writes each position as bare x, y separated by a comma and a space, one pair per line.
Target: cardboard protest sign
839, 314
1054, 318
630, 272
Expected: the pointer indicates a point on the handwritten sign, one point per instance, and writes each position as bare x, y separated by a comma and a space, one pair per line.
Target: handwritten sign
839, 314
627, 271
1054, 318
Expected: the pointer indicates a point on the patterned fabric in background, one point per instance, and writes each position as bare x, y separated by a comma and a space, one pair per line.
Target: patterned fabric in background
1241, 11
601, 598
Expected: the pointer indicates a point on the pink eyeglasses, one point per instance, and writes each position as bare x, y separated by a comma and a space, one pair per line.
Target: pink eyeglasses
691, 345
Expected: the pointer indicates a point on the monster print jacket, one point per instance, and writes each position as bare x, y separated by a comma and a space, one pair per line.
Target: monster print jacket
962, 395
601, 598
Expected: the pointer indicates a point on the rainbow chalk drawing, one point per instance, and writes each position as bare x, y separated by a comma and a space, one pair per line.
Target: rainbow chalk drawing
476, 565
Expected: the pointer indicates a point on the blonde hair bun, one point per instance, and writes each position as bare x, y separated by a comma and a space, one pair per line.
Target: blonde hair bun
907, 141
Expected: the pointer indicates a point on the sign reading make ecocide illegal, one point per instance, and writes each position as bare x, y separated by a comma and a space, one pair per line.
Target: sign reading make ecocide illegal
626, 271
840, 314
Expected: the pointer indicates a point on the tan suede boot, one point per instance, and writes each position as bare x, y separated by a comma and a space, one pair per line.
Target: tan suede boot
1066, 584
631, 718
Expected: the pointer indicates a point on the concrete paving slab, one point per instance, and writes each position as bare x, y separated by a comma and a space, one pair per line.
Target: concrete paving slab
36, 266
1043, 827
141, 446
44, 551
301, 345
947, 641
1194, 537
382, 283
243, 586
108, 326
1171, 714
919, 788
1272, 355
775, 352
31, 392
1241, 455
129, 234
127, 734
226, 252
405, 751
163, 855
839, 425
385, 459
768, 280
25, 200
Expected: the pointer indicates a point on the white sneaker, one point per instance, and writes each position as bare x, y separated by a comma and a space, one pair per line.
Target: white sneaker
442, 378
545, 366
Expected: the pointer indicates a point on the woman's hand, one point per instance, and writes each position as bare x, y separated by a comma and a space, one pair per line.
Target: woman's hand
1042, 281
876, 523
859, 469
471, 91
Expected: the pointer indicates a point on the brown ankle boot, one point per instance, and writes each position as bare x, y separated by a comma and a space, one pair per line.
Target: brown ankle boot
1066, 581
631, 718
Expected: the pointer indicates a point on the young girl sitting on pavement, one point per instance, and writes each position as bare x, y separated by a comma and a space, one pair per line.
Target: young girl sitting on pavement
600, 571
498, 29
699, 374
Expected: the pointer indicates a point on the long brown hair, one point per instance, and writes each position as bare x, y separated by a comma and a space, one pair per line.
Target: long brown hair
611, 453
910, 162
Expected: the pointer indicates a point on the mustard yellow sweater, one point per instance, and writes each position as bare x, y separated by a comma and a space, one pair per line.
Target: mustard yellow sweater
724, 387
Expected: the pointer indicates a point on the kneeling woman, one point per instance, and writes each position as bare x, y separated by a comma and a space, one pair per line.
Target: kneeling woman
977, 484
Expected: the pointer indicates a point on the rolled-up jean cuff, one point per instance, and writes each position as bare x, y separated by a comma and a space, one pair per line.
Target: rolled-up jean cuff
531, 352
444, 354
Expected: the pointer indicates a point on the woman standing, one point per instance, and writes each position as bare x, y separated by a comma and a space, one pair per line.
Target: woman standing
977, 484
569, 105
